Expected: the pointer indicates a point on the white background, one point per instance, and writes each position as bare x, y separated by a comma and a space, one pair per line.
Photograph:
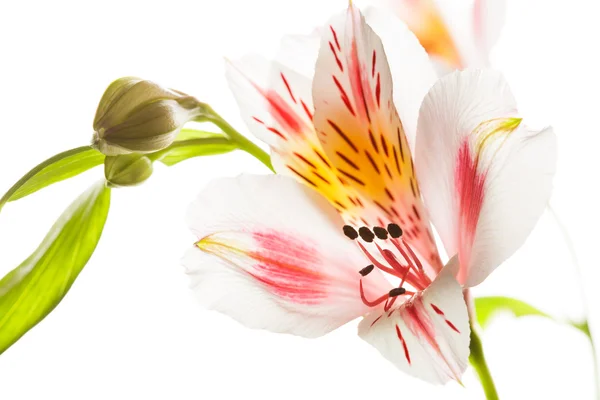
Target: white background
130, 328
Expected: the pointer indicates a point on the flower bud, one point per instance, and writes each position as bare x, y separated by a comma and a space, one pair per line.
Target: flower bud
136, 115
127, 170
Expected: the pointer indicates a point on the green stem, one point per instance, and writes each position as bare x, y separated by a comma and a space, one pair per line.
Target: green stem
6, 198
244, 144
477, 359
185, 143
583, 326
477, 356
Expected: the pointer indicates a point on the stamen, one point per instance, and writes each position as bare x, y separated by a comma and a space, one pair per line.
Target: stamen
366, 234
389, 304
371, 303
366, 270
414, 256
380, 232
404, 271
377, 263
406, 256
350, 232
391, 259
394, 230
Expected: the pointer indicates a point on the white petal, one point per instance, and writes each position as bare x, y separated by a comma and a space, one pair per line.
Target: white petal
428, 336
359, 127
271, 254
412, 72
484, 176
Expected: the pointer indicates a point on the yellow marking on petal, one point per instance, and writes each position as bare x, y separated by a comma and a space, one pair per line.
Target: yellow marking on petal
493, 130
206, 244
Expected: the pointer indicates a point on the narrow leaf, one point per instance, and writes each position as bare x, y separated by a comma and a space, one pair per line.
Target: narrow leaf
487, 307
60, 167
30, 291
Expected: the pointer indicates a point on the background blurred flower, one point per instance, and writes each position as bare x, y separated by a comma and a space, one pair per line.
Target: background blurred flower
456, 34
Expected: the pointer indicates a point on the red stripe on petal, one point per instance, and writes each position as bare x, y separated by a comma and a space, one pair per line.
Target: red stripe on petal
437, 309
377, 319
343, 95
335, 38
337, 59
287, 85
378, 90
306, 110
406, 353
451, 325
373, 63
276, 131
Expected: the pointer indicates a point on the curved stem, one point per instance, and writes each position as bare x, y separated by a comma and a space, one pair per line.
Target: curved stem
248, 146
583, 326
477, 360
477, 356
6, 198
189, 142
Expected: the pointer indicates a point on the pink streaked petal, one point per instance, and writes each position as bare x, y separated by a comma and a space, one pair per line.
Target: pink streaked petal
485, 177
287, 267
274, 101
270, 240
427, 336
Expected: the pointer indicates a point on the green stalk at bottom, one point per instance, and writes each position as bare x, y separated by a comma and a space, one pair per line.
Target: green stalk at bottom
477, 360
477, 356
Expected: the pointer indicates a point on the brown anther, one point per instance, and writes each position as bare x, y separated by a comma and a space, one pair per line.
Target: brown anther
366, 270
350, 232
397, 291
366, 234
380, 232
394, 230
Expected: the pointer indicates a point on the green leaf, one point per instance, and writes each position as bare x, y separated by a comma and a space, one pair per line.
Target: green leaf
193, 143
58, 168
30, 291
487, 307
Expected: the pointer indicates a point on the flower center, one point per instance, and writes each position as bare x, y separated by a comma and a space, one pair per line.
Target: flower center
387, 251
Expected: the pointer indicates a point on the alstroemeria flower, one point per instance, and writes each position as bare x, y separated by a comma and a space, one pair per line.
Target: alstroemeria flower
456, 34
311, 249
